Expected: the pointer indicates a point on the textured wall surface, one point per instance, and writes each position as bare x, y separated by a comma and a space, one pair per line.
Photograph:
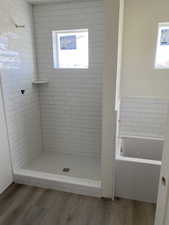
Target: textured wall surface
23, 115
143, 117
71, 103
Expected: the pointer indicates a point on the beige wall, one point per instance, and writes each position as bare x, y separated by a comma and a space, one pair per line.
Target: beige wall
139, 78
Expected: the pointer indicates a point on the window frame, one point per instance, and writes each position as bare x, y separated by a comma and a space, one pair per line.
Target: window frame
160, 26
55, 45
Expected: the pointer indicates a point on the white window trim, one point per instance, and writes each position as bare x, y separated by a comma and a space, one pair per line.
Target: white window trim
160, 26
55, 53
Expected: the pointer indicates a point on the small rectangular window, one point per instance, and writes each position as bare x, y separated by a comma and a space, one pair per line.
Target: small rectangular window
70, 49
162, 51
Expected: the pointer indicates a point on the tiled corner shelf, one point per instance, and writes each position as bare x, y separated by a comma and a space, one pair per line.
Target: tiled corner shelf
39, 82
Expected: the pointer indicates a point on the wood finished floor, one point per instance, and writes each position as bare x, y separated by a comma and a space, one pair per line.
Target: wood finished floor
26, 205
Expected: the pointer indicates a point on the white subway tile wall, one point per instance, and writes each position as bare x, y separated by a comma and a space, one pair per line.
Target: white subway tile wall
71, 104
141, 116
23, 111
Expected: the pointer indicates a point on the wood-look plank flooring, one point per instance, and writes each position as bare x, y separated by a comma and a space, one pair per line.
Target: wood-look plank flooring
26, 205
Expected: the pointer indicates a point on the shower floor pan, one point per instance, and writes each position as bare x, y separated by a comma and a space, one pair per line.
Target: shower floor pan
65, 172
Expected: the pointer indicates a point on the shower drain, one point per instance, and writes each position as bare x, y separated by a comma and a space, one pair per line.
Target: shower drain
66, 170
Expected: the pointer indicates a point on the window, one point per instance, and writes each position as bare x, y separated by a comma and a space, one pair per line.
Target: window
70, 48
162, 52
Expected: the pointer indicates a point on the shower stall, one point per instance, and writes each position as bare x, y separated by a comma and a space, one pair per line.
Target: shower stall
54, 117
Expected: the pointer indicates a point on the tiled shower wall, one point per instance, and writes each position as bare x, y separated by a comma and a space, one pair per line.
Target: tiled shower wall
71, 104
143, 116
23, 114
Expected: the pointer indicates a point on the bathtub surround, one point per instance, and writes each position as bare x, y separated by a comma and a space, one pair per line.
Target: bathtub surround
142, 148
142, 100
143, 117
140, 137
